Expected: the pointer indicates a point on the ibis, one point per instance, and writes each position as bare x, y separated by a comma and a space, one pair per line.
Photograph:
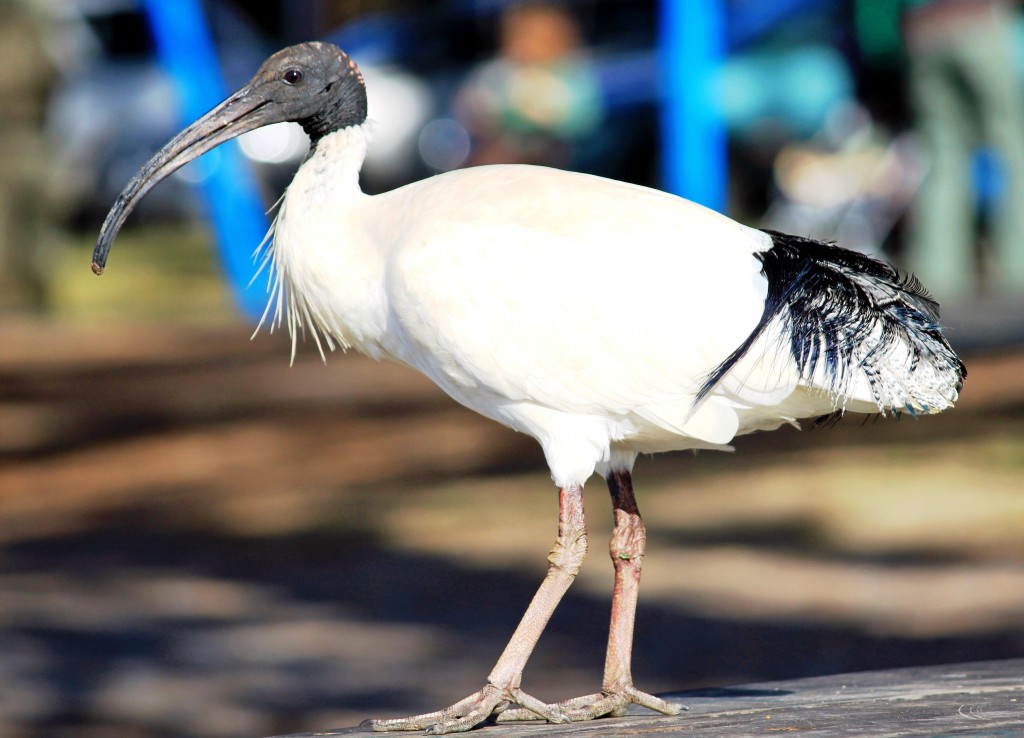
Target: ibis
603, 319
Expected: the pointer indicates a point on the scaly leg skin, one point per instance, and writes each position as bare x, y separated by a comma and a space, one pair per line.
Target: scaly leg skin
629, 539
502, 688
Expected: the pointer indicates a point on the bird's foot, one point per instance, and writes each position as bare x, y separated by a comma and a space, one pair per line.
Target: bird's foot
611, 703
484, 706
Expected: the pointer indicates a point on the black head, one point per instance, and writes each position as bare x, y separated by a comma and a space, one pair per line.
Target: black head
314, 84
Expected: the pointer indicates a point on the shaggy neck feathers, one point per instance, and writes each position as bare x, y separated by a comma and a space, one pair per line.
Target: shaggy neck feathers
325, 270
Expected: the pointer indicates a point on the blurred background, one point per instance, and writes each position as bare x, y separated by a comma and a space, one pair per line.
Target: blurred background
198, 540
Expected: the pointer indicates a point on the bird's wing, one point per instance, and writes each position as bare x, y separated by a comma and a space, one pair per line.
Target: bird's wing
572, 292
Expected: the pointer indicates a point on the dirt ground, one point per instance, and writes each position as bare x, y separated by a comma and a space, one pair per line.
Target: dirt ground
197, 540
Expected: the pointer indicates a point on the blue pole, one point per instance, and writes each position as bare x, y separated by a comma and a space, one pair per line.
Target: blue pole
691, 49
235, 207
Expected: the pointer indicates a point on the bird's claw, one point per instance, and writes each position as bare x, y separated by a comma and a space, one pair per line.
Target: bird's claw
611, 703
487, 705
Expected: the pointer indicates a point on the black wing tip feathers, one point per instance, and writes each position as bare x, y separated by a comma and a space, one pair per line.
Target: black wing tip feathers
830, 301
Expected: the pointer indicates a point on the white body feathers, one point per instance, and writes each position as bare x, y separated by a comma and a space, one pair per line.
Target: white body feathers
583, 311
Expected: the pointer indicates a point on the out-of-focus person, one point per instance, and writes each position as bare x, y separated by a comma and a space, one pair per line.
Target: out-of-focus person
966, 92
538, 100
27, 74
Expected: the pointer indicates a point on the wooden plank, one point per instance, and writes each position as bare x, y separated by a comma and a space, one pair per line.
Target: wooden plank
982, 700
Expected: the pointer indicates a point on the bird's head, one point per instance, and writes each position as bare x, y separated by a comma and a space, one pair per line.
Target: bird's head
314, 84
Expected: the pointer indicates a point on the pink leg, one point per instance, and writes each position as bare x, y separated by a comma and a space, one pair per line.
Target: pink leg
629, 540
502, 688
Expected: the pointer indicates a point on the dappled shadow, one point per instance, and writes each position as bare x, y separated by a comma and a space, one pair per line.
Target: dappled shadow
347, 585
805, 537
137, 600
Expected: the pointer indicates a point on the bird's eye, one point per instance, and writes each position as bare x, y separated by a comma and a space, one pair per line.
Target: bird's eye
292, 76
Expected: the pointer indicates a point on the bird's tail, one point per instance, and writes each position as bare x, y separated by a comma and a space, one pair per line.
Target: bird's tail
857, 329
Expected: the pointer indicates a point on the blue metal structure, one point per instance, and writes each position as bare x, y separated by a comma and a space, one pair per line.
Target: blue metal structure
691, 50
236, 211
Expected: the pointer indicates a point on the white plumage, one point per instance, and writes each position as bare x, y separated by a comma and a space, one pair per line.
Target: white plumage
604, 319
583, 311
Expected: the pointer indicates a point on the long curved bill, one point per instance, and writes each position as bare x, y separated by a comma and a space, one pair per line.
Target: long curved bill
244, 111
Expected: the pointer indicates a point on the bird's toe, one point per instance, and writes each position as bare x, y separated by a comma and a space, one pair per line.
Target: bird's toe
653, 703
592, 706
488, 705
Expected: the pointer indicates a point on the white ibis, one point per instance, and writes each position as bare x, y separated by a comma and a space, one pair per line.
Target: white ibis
604, 319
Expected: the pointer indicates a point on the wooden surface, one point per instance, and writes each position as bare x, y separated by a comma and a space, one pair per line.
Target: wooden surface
984, 699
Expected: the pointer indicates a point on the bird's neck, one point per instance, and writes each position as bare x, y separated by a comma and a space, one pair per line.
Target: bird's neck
329, 271
332, 167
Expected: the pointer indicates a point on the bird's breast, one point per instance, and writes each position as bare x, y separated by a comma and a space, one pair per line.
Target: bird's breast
329, 270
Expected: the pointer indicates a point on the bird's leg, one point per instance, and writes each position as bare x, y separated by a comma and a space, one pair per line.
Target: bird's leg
628, 542
502, 688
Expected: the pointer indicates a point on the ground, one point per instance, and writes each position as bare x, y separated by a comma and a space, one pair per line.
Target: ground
198, 540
